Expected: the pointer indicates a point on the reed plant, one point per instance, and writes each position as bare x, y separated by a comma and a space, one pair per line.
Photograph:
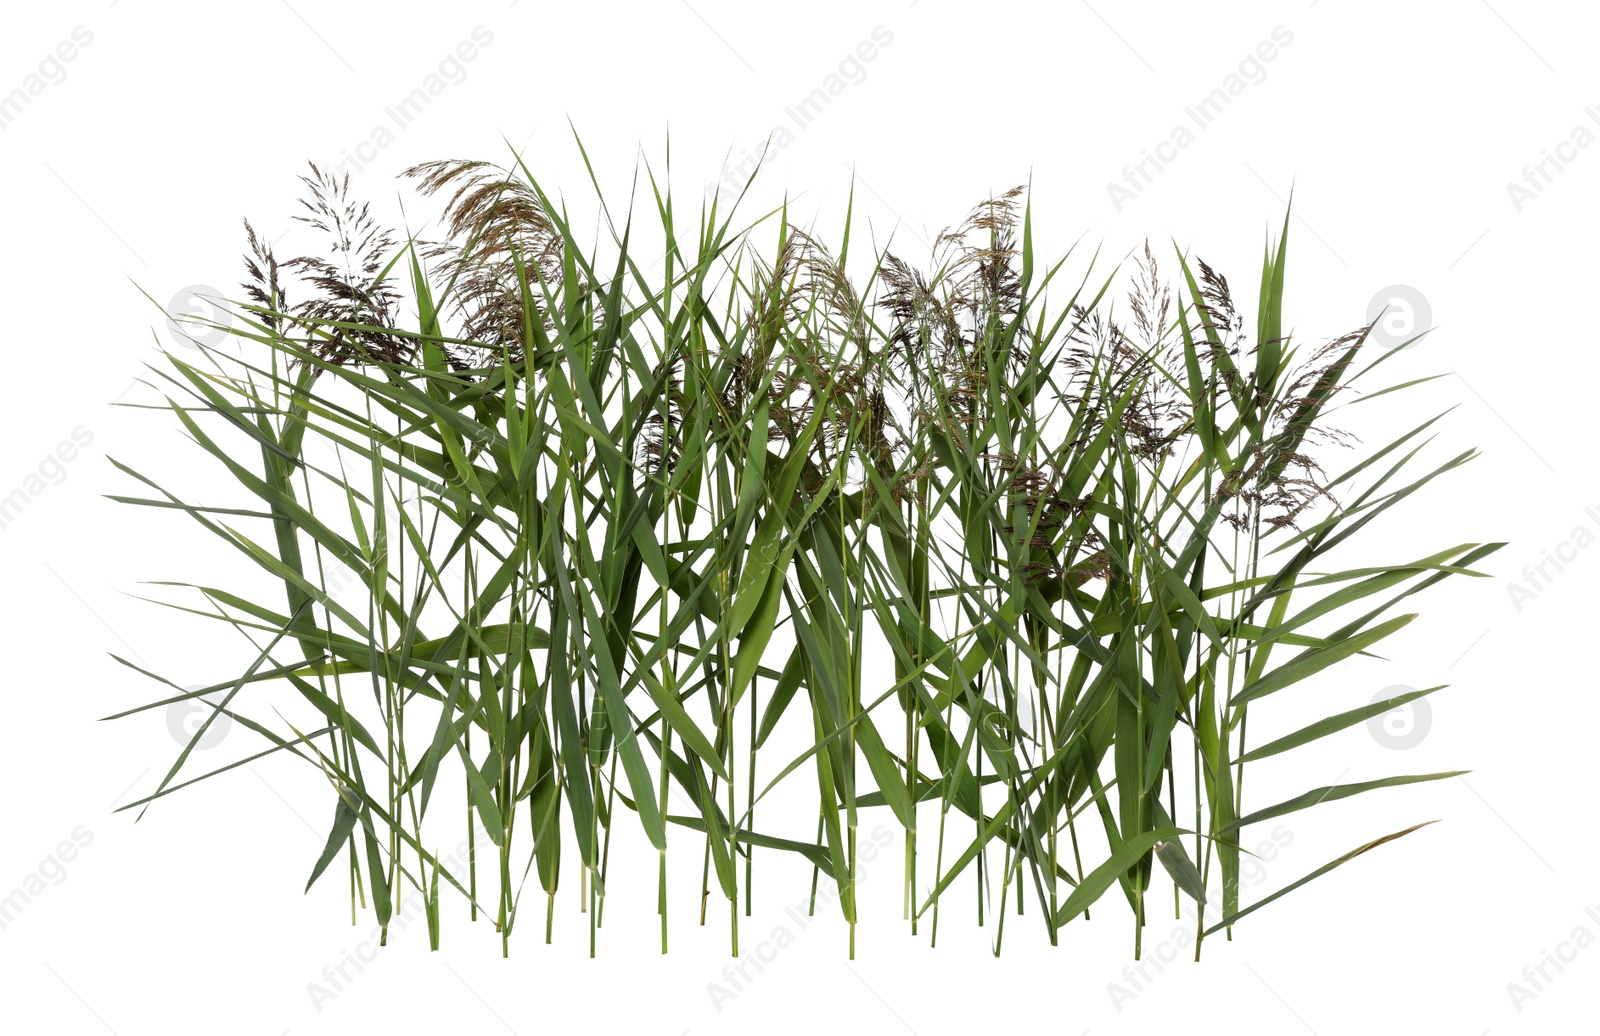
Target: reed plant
1007, 553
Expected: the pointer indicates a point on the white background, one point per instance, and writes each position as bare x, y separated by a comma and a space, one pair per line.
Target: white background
1398, 125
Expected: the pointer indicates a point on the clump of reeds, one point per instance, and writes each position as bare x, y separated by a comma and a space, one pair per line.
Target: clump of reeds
946, 540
